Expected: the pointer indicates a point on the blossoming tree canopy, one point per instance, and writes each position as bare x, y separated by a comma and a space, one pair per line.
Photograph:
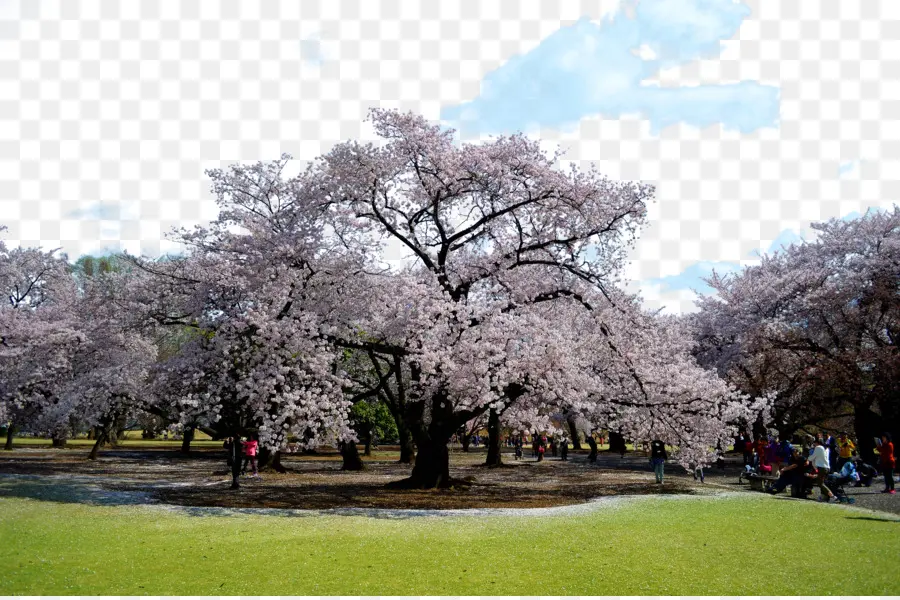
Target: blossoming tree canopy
818, 322
505, 253
38, 334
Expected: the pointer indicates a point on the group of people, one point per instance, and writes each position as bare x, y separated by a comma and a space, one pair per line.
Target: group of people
242, 447
824, 463
540, 445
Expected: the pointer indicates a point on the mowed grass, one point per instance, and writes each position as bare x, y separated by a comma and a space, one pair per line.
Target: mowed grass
130, 439
646, 546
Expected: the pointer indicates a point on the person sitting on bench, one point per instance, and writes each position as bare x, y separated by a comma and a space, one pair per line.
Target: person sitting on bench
791, 474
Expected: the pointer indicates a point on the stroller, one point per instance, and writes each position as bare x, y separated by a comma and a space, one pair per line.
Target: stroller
835, 482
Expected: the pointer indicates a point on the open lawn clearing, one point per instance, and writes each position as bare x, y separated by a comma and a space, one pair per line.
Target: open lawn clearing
635, 546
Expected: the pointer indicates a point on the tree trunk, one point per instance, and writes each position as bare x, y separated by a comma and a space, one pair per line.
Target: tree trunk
59, 442
236, 458
270, 460
465, 440
10, 429
101, 438
407, 452
110, 437
494, 458
352, 460
573, 430
92, 433
432, 466
367, 448
592, 443
865, 424
186, 440
617, 442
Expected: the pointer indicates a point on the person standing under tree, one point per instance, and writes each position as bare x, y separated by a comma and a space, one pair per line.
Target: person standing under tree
888, 462
250, 448
658, 457
845, 450
564, 449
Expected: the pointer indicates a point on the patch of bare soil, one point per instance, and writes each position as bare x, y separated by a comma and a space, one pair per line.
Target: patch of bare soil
316, 482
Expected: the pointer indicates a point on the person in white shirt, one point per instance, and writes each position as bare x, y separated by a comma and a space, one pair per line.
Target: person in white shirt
819, 460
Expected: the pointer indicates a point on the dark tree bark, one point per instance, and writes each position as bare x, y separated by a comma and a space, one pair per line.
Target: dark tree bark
186, 440
432, 465
465, 439
101, 439
352, 460
10, 430
592, 443
236, 458
270, 460
59, 442
396, 403
494, 458
617, 442
573, 430
367, 448
865, 425
407, 451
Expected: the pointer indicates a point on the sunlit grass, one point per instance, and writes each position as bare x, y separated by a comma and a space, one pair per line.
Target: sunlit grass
648, 546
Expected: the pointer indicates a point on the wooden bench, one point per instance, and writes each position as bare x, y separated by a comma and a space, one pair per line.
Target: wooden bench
757, 482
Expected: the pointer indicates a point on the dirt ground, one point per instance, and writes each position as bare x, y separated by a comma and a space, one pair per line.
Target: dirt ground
155, 475
316, 482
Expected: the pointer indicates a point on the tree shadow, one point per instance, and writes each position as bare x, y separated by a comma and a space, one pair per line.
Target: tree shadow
67, 491
881, 519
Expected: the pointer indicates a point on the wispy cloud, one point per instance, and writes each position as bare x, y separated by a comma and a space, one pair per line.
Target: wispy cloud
593, 68
311, 50
847, 168
103, 211
692, 277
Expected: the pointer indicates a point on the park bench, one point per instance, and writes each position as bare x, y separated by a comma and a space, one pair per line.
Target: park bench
757, 482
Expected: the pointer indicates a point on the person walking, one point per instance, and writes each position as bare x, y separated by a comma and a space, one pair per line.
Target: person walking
888, 462
658, 457
819, 460
564, 449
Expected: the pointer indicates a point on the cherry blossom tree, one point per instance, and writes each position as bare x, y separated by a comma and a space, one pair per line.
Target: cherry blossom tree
818, 323
500, 245
506, 302
38, 336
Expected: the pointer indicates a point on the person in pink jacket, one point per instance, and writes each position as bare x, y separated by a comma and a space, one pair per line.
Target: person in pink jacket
251, 446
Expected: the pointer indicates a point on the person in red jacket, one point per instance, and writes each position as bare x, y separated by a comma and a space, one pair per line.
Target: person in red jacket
250, 448
886, 452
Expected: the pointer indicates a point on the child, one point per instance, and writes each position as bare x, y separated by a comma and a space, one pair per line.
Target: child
250, 448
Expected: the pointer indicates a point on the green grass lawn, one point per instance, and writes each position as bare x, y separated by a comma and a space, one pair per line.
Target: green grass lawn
649, 546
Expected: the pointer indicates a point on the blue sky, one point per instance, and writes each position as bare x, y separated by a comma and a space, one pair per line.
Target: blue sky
692, 277
599, 68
